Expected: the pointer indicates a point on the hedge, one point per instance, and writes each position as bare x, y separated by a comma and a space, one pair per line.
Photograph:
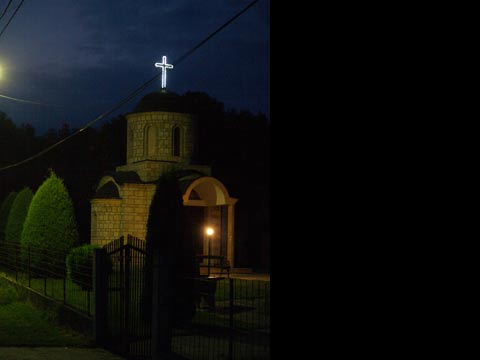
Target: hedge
17, 215
166, 236
80, 265
4, 211
50, 228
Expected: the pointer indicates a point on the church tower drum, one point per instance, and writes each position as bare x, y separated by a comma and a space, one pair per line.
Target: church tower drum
159, 138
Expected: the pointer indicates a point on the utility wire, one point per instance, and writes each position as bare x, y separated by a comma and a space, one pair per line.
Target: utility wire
11, 17
25, 101
188, 53
5, 10
131, 95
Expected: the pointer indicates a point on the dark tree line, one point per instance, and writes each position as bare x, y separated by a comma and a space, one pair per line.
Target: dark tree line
235, 144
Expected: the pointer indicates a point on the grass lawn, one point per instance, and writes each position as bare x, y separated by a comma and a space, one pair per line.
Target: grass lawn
58, 289
244, 289
21, 324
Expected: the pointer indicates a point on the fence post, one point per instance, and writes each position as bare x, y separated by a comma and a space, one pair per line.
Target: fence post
126, 333
266, 304
100, 288
65, 289
230, 325
89, 310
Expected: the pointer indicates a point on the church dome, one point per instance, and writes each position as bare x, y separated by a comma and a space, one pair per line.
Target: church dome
161, 101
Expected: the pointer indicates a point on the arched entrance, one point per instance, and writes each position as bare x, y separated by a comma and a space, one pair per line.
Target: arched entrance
208, 203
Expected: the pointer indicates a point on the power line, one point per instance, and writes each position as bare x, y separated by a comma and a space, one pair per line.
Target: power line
5, 10
188, 53
132, 94
11, 17
25, 101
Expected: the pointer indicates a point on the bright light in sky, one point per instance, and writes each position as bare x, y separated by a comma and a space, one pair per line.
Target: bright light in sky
3, 71
95, 53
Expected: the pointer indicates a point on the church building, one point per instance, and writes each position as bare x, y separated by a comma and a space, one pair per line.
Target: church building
160, 138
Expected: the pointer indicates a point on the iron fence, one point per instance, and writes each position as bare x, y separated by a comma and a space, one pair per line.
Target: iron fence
232, 321
45, 272
128, 320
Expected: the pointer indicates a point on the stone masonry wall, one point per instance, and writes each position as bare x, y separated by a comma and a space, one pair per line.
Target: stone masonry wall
106, 221
136, 205
164, 122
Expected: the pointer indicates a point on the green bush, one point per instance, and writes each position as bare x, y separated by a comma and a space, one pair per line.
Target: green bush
80, 265
8, 294
4, 211
50, 229
18, 213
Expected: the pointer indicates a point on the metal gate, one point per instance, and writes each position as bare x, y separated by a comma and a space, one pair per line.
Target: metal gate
128, 307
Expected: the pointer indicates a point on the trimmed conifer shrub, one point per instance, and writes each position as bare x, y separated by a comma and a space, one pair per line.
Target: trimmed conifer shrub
80, 265
17, 215
166, 236
4, 211
50, 229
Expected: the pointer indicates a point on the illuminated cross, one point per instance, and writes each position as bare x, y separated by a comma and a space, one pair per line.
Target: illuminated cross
164, 67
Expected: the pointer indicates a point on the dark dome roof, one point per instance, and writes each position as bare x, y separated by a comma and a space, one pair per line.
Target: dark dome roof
186, 177
107, 191
161, 101
122, 177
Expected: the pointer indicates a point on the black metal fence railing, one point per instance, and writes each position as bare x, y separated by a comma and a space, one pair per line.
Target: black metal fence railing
46, 273
232, 321
128, 320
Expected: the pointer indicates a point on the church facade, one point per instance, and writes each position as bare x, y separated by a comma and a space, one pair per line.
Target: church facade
161, 138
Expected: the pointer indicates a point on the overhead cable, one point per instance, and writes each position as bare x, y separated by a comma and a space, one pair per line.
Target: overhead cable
131, 95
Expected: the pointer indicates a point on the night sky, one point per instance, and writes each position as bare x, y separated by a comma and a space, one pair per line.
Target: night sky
84, 56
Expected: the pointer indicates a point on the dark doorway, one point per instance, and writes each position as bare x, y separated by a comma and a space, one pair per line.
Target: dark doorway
194, 226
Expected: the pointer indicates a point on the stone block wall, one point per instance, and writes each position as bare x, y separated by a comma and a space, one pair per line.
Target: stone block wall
157, 145
112, 218
136, 206
106, 220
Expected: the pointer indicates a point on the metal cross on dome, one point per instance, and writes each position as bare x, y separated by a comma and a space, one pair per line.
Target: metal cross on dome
164, 67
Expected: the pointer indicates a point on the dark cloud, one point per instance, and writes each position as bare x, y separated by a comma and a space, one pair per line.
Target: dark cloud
86, 55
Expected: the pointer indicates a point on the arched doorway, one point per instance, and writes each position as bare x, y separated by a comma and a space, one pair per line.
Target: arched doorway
208, 203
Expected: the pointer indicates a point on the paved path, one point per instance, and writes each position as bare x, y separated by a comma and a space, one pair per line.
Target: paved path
55, 353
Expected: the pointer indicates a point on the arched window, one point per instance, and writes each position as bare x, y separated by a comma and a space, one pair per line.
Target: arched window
176, 141
151, 141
